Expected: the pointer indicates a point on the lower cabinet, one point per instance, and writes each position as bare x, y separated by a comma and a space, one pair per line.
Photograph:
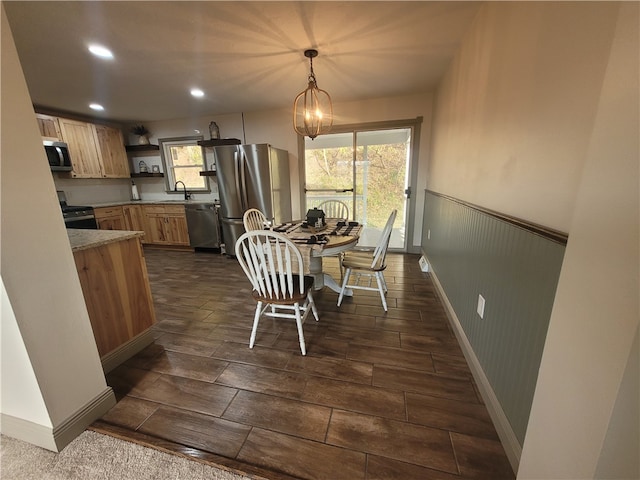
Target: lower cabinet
134, 219
166, 224
162, 224
116, 289
110, 218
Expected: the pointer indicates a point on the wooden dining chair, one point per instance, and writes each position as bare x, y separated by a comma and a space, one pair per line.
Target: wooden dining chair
273, 264
369, 265
334, 209
254, 219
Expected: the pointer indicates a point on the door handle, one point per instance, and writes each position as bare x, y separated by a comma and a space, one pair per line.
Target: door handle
336, 190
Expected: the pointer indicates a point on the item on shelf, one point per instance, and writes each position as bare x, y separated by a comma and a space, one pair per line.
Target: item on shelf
134, 191
214, 131
143, 167
212, 167
155, 169
143, 134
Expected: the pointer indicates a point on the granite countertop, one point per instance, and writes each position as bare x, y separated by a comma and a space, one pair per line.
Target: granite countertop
153, 202
82, 239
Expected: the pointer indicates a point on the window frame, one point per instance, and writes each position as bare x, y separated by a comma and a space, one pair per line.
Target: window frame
415, 124
169, 168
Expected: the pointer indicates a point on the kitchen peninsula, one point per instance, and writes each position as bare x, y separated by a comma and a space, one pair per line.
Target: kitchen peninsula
115, 284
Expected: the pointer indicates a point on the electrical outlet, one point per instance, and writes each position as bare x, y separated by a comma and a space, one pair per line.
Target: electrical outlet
480, 308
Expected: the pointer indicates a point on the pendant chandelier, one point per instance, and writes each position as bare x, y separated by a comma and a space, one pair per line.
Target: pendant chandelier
312, 109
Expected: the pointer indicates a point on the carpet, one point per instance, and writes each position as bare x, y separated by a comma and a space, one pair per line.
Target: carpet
93, 456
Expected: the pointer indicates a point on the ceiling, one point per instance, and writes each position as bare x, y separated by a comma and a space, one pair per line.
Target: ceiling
246, 56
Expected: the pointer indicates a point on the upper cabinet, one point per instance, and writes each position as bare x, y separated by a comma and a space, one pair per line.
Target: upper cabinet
49, 127
115, 163
97, 151
83, 148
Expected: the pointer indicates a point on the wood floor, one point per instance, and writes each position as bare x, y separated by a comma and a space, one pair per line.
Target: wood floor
378, 395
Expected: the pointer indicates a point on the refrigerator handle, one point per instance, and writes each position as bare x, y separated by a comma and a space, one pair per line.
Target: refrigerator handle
242, 162
236, 163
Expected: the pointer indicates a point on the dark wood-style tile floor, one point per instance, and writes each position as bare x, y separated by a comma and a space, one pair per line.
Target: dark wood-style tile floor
378, 395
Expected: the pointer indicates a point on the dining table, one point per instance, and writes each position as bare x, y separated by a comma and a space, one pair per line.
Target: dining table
315, 243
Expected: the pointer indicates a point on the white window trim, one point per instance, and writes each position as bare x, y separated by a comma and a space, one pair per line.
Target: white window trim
170, 179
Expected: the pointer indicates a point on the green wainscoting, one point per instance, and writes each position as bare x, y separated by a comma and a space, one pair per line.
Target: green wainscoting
515, 267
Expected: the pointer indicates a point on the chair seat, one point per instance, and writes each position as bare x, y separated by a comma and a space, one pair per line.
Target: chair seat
297, 297
368, 265
361, 261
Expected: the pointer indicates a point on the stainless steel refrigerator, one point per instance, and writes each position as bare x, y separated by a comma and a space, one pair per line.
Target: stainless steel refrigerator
251, 176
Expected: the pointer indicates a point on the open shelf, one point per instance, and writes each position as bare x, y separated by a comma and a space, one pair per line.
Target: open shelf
147, 175
219, 142
142, 148
208, 173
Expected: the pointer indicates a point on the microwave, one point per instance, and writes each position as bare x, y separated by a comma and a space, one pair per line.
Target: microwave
58, 156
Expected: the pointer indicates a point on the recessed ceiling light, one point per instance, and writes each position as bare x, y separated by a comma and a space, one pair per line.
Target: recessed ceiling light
100, 51
96, 106
196, 92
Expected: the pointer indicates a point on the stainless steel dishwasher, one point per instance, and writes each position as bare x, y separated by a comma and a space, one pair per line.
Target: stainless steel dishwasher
203, 225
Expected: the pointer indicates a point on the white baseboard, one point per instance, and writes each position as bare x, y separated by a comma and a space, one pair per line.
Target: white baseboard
56, 438
511, 445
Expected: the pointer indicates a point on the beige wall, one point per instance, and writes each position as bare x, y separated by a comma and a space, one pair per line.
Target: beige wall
516, 108
37, 265
538, 118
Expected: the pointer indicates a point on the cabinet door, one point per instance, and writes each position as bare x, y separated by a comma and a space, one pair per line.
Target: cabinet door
111, 223
166, 224
49, 126
176, 230
133, 218
155, 226
115, 163
110, 218
85, 157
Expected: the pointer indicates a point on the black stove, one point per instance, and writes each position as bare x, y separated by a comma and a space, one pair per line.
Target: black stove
78, 216
72, 209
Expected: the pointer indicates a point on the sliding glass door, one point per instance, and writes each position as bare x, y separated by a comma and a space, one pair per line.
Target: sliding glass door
369, 170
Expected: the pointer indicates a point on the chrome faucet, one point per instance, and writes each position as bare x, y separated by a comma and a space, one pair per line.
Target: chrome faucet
186, 194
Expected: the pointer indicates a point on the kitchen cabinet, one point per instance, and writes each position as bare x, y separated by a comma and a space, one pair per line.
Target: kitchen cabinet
97, 151
115, 163
115, 284
49, 127
166, 224
162, 224
110, 218
83, 149
134, 218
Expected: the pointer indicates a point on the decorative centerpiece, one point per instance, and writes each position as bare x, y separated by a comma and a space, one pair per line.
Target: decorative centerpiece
315, 220
143, 134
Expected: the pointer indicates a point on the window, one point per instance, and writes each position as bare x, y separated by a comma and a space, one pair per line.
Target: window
183, 161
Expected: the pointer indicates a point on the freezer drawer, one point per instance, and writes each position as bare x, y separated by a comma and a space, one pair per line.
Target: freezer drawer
203, 225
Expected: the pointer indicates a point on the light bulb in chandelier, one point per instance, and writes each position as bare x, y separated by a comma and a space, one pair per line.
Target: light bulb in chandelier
312, 108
